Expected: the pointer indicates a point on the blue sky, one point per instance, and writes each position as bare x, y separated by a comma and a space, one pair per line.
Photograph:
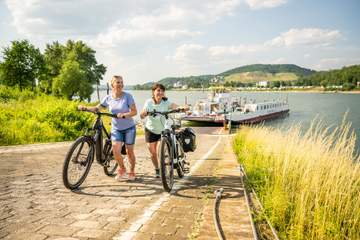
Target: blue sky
148, 40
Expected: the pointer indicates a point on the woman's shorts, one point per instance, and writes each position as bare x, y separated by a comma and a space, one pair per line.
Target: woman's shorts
151, 137
126, 136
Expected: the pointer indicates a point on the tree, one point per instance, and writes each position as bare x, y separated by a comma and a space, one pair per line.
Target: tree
86, 58
71, 81
54, 57
56, 54
275, 84
23, 64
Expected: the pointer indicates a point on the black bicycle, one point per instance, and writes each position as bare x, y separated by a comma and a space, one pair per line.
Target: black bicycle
80, 156
171, 153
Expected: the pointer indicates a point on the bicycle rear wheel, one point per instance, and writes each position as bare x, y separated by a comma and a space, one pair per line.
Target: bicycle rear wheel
110, 164
166, 164
77, 162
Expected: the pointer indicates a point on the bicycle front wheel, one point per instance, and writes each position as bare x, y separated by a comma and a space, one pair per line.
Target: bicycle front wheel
77, 162
166, 164
180, 163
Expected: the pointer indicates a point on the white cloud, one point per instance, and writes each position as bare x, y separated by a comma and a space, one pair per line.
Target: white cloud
259, 4
335, 63
308, 37
218, 51
116, 35
91, 18
305, 36
177, 20
280, 60
189, 53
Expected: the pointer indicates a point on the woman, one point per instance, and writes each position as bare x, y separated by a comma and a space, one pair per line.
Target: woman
154, 125
123, 128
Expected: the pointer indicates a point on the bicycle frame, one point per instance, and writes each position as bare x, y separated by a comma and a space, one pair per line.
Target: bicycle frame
169, 131
99, 129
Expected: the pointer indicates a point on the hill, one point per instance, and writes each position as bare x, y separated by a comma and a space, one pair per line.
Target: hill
347, 77
248, 74
253, 77
270, 68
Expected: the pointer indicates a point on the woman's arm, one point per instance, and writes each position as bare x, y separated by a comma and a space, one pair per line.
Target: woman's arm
91, 109
133, 112
175, 106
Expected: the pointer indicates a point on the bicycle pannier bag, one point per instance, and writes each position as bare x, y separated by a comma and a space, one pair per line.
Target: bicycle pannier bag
188, 140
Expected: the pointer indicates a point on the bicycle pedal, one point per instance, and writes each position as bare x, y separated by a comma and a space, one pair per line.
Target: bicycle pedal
186, 169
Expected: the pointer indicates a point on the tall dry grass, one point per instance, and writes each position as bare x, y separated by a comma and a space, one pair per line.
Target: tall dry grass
308, 183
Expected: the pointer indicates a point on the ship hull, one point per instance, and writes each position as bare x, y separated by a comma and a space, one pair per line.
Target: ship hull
260, 118
252, 119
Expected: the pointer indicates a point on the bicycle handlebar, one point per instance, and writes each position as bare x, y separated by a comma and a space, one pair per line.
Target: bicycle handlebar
166, 113
101, 113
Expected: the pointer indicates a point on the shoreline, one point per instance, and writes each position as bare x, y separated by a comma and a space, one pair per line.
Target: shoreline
267, 90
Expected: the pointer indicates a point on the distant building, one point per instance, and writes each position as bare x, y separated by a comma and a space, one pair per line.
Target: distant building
217, 79
262, 84
185, 86
177, 85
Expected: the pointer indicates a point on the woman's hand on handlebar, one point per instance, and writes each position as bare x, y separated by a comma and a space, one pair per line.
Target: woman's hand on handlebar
121, 115
183, 108
88, 109
143, 113
82, 108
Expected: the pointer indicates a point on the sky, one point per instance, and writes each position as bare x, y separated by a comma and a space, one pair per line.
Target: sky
147, 40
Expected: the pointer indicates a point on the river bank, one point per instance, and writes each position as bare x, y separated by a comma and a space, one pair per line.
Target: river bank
310, 90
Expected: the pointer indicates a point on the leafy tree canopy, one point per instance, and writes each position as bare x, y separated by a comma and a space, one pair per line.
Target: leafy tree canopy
71, 81
23, 64
56, 55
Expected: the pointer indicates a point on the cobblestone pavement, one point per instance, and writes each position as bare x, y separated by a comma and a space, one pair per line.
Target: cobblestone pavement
35, 205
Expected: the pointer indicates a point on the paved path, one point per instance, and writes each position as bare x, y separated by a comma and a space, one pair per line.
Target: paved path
35, 205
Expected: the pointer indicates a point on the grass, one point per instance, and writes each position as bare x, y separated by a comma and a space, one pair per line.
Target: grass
309, 184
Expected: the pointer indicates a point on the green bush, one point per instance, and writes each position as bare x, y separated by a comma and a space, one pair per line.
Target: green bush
27, 117
13, 93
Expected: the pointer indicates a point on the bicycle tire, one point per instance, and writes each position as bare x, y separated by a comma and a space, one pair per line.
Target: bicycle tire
84, 164
180, 163
110, 163
166, 164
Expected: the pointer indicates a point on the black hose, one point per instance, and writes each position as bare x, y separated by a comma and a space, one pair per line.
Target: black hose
218, 227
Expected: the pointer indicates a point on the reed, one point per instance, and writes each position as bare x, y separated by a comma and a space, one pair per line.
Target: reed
309, 184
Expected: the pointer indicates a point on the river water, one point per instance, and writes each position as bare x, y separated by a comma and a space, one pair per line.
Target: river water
304, 107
